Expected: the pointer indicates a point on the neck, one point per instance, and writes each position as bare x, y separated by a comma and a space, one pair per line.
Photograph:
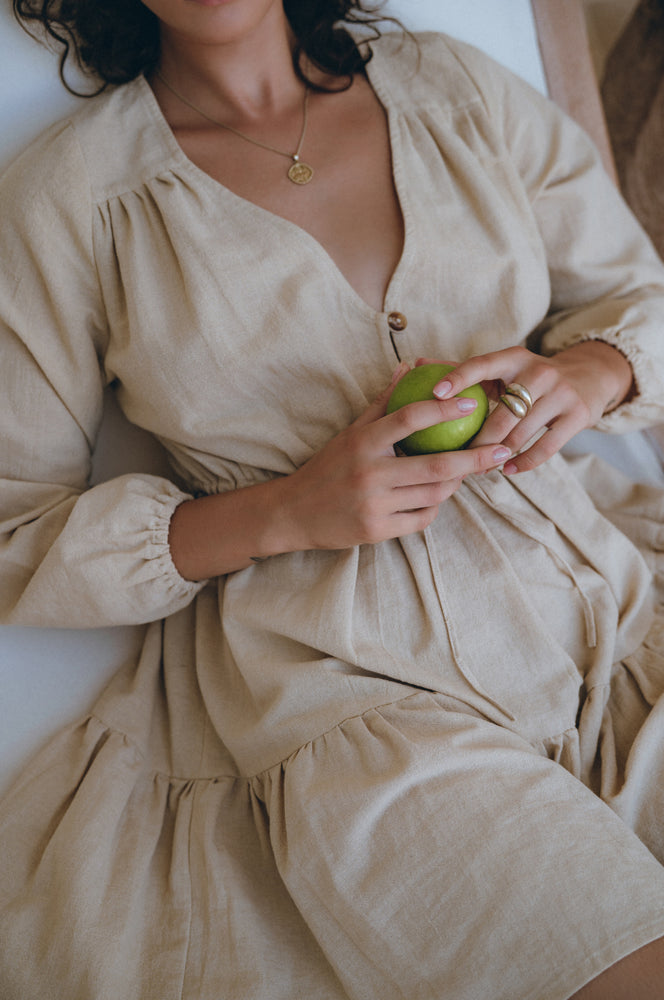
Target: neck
238, 79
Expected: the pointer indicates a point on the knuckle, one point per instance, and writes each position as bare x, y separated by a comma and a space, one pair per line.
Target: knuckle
436, 494
583, 411
519, 353
538, 365
365, 514
503, 420
445, 489
351, 445
405, 420
367, 530
516, 439
359, 477
530, 460
372, 537
482, 460
437, 468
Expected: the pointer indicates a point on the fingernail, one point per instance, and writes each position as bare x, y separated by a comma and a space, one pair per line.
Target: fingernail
466, 405
500, 454
442, 389
510, 468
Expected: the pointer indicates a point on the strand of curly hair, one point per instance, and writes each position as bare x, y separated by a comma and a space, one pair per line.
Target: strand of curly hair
114, 41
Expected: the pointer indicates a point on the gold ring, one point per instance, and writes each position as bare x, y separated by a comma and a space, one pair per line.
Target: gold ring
516, 405
517, 399
516, 389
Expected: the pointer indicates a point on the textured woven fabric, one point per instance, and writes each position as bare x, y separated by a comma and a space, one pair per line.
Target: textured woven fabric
430, 767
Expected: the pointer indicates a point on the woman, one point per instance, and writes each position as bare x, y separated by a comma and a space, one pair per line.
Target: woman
394, 731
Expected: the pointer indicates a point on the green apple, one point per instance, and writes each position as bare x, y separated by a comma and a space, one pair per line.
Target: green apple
450, 435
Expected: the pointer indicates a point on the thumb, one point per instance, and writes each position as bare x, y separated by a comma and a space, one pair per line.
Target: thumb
376, 410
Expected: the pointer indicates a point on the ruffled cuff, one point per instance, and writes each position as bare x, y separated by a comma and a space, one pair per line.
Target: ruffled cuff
109, 563
156, 567
644, 406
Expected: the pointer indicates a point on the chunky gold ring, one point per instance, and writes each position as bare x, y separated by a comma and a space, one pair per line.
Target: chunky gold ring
516, 405
516, 389
517, 399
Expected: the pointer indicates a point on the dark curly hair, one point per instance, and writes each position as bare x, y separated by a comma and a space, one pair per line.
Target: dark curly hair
115, 41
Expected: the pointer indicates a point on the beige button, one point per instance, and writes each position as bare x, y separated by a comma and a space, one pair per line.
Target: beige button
397, 321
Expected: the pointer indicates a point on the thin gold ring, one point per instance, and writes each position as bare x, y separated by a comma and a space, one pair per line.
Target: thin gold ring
517, 399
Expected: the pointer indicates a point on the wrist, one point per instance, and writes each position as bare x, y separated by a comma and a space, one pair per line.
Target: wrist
221, 533
279, 527
612, 367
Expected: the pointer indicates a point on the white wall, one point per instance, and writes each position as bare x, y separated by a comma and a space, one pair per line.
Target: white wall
503, 28
31, 96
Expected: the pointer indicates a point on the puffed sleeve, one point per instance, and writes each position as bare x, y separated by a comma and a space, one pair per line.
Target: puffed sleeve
607, 281
70, 555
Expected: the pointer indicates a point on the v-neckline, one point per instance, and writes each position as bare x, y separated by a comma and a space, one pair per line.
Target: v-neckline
178, 156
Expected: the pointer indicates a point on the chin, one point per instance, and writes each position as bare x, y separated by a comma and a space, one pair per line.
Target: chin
214, 22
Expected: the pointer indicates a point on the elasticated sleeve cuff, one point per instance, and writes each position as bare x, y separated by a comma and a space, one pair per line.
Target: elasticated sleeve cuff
106, 558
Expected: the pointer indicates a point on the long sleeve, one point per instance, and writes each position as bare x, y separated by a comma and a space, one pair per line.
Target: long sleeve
607, 282
70, 555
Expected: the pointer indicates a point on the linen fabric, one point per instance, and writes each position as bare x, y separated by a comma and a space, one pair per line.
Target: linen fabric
430, 767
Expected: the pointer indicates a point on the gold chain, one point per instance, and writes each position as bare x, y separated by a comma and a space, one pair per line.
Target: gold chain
299, 172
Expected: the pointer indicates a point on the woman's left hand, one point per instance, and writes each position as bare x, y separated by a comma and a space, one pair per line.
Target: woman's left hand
570, 392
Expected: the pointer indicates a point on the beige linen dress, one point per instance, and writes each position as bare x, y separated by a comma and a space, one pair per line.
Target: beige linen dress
428, 768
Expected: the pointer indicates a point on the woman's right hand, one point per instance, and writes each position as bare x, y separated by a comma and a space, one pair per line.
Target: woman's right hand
356, 490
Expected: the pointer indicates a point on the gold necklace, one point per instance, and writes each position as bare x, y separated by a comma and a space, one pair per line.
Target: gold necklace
299, 172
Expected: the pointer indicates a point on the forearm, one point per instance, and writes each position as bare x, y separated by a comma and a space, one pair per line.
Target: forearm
218, 534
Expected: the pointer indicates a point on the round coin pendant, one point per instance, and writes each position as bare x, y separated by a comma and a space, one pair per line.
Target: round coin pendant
300, 173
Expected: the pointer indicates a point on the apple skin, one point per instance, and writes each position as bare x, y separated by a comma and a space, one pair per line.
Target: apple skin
450, 435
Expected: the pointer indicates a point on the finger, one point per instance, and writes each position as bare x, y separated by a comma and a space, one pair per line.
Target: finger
547, 445
441, 467
396, 426
497, 427
434, 361
409, 498
514, 433
510, 365
550, 399
407, 523
544, 415
562, 408
376, 410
